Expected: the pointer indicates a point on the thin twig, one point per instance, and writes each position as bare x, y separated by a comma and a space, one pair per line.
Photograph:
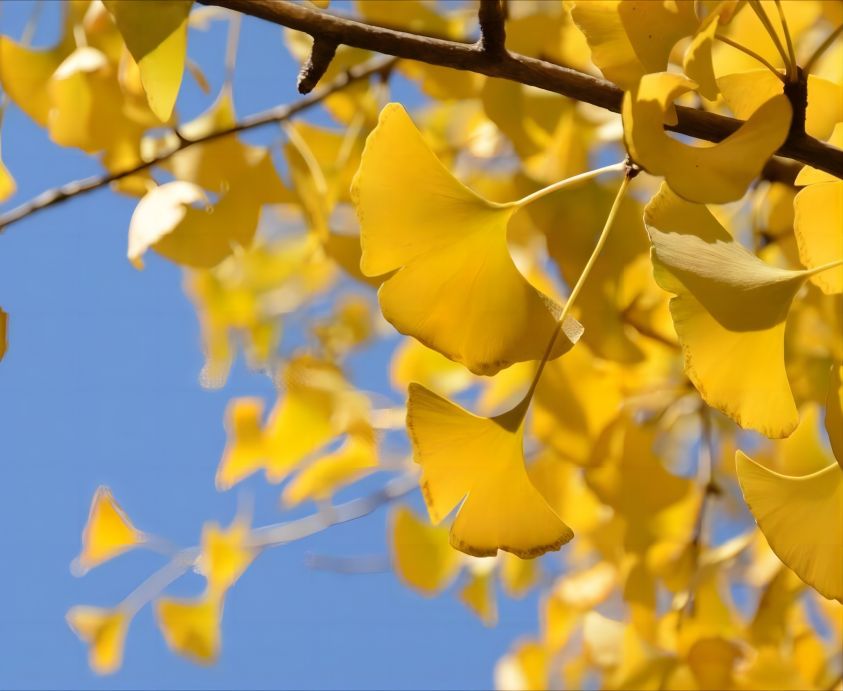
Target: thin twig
492, 27
771, 30
751, 53
321, 54
266, 117
282, 533
514, 67
791, 53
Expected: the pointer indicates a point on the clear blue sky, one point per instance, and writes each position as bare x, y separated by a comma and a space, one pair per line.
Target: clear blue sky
100, 386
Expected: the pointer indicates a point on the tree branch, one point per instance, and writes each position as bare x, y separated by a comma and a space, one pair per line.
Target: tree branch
273, 115
514, 67
492, 27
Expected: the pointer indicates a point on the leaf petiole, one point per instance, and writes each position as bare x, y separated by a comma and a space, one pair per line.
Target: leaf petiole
588, 175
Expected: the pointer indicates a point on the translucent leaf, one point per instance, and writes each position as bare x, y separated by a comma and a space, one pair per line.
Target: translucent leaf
457, 284
834, 412
802, 519
817, 224
104, 630
629, 39
156, 36
708, 172
108, 531
421, 554
482, 460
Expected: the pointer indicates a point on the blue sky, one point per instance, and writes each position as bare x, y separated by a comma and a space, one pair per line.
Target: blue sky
100, 386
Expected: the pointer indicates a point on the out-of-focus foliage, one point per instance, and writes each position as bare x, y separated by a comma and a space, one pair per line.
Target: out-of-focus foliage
659, 439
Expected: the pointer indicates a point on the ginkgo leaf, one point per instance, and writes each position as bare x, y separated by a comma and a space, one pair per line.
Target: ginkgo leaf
158, 214
809, 175
456, 289
745, 92
108, 531
25, 72
697, 61
225, 555
631, 38
246, 449
192, 627
802, 519
167, 220
482, 460
729, 312
517, 575
716, 173
104, 630
834, 412
156, 36
526, 667
323, 476
817, 223
478, 594
415, 362
318, 405
422, 555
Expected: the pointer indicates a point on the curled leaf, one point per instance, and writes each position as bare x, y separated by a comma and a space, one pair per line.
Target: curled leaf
716, 173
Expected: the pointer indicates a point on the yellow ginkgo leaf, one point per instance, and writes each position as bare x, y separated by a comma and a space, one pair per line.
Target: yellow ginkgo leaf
104, 630
156, 36
834, 412
716, 173
318, 405
697, 62
630, 38
745, 92
167, 220
422, 555
810, 175
158, 213
478, 594
323, 476
817, 223
526, 667
517, 575
225, 554
192, 627
415, 362
482, 460
729, 313
802, 519
456, 282
246, 449
25, 72
108, 532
